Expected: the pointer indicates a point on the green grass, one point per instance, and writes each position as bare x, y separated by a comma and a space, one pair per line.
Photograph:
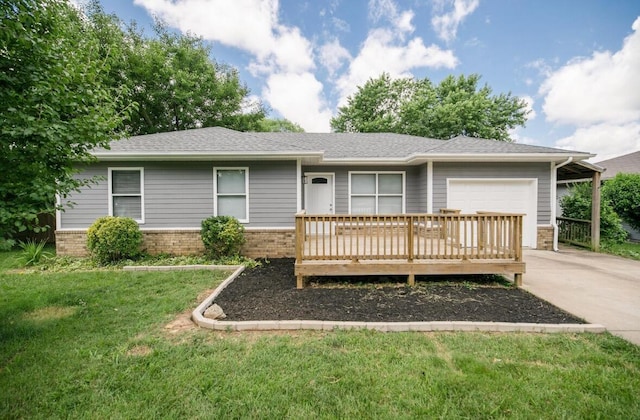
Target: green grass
627, 249
94, 345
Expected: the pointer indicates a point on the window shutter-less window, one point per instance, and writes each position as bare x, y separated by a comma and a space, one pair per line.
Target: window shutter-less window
126, 193
231, 185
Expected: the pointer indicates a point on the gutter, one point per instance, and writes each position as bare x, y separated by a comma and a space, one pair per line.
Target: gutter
554, 187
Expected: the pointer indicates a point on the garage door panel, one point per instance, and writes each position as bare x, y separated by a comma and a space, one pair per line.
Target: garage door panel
503, 195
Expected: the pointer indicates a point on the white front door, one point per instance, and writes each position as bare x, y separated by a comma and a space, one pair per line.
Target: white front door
319, 198
319, 194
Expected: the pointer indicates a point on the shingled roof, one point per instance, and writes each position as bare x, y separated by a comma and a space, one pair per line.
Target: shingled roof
321, 147
629, 163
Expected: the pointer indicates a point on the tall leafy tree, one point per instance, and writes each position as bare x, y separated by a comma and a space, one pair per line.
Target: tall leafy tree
54, 107
178, 86
455, 106
172, 78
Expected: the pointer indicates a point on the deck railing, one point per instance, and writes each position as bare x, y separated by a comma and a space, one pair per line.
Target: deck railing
409, 237
574, 231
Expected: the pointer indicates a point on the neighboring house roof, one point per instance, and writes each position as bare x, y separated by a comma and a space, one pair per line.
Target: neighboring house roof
629, 163
387, 148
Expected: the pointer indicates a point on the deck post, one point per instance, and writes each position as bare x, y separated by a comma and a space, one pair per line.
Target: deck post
595, 212
300, 237
411, 279
517, 279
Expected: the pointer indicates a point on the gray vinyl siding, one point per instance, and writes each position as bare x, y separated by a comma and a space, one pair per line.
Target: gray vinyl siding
90, 203
272, 194
180, 195
541, 171
415, 180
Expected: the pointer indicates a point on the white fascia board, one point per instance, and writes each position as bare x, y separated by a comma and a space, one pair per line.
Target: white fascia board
502, 157
423, 158
195, 156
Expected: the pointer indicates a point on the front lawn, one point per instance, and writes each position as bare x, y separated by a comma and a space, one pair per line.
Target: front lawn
96, 345
627, 249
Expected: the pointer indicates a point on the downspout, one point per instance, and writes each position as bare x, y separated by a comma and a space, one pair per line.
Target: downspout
554, 188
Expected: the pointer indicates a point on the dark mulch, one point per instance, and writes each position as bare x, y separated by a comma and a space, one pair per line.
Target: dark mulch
268, 292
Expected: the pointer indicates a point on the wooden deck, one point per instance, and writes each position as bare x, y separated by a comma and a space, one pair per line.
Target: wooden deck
408, 244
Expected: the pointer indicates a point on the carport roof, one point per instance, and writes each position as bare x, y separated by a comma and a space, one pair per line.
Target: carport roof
580, 170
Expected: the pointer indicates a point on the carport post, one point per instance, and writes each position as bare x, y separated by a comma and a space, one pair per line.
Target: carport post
595, 211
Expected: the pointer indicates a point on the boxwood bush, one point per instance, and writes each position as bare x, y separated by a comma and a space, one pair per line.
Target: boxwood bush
223, 236
111, 239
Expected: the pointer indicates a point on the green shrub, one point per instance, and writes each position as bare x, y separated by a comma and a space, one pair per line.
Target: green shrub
6, 244
223, 236
623, 192
111, 239
577, 205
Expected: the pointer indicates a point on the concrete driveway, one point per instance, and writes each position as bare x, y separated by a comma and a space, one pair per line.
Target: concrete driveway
600, 288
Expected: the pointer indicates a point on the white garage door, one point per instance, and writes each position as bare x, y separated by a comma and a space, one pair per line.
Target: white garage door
502, 195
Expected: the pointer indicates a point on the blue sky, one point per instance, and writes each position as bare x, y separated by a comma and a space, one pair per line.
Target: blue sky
577, 63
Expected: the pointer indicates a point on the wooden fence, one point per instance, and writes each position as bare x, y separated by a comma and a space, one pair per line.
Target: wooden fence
574, 231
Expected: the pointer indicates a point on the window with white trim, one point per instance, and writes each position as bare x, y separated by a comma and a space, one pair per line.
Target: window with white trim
376, 192
126, 193
231, 192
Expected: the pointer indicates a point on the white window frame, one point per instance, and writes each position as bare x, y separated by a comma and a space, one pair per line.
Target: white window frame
246, 189
141, 195
377, 195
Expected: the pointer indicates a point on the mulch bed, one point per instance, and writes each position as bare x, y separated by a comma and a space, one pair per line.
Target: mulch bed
268, 292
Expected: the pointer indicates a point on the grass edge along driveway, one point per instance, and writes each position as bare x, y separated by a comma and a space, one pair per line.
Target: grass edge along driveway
95, 344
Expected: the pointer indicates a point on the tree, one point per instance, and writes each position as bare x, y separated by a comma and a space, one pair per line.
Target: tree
456, 106
54, 107
376, 107
177, 87
623, 192
279, 125
577, 205
172, 78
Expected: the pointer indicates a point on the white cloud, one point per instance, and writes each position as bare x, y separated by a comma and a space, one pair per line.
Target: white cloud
333, 56
515, 135
384, 51
600, 96
446, 24
297, 97
387, 49
387, 10
340, 24
403, 21
529, 102
603, 88
606, 140
280, 53
293, 52
219, 20
541, 66
379, 9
